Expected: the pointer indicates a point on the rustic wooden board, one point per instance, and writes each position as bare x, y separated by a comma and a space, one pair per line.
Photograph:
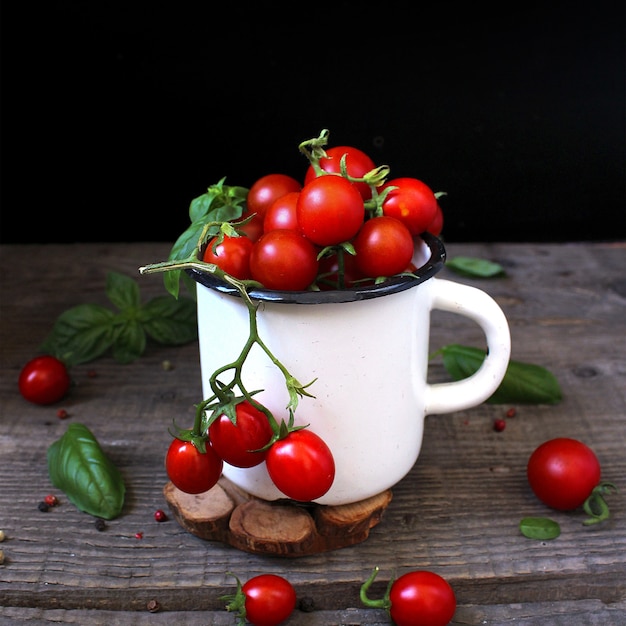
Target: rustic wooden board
456, 512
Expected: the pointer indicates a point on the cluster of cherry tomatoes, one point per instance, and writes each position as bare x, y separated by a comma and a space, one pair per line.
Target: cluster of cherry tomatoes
343, 225
298, 461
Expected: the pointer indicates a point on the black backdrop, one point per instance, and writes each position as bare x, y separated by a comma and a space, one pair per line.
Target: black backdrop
115, 115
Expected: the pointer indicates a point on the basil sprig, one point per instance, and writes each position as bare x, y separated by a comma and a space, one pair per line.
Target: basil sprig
221, 203
79, 467
85, 332
523, 383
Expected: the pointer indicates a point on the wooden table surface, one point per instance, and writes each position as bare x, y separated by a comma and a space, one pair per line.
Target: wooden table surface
456, 513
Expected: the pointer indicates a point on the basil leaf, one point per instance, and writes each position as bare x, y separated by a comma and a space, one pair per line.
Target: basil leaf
129, 343
78, 466
81, 334
523, 383
539, 528
122, 291
221, 203
87, 331
470, 266
170, 321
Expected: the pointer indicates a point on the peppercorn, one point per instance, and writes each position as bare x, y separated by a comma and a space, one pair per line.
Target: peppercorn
43, 507
499, 425
100, 524
51, 500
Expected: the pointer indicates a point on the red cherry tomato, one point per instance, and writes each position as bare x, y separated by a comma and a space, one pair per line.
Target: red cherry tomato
330, 210
232, 255
44, 380
421, 598
413, 202
384, 247
436, 226
189, 469
357, 165
236, 443
563, 472
282, 213
301, 465
268, 600
252, 229
284, 260
267, 189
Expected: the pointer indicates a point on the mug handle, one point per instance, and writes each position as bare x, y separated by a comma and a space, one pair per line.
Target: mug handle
480, 307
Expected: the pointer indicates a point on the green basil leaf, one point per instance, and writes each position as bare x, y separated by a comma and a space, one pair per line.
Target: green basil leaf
129, 343
81, 334
122, 291
78, 466
170, 321
539, 528
523, 383
478, 268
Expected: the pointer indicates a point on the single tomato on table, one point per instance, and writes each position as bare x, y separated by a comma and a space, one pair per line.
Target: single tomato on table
44, 380
562, 473
263, 600
417, 598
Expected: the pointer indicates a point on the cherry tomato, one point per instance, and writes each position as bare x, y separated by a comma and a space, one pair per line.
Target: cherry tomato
269, 600
413, 202
232, 255
189, 469
562, 473
236, 443
267, 188
282, 213
384, 247
357, 165
436, 226
284, 260
252, 229
421, 598
330, 210
44, 380
301, 465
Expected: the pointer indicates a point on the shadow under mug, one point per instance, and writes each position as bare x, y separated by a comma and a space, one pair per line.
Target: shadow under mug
368, 350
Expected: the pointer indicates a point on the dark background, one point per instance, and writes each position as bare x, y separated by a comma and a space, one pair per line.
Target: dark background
115, 115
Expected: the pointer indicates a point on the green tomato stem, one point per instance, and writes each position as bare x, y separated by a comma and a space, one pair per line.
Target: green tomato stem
596, 506
382, 603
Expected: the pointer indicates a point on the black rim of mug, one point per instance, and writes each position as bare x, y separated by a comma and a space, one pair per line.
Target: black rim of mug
395, 284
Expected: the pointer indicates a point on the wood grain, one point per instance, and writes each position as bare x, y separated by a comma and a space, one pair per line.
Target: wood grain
457, 512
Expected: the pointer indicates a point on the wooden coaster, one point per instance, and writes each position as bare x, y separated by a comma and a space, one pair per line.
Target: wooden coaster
282, 528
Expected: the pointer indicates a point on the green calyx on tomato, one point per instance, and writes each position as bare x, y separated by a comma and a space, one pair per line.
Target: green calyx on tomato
263, 600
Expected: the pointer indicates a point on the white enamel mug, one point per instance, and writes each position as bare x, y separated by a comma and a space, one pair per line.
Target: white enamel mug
368, 350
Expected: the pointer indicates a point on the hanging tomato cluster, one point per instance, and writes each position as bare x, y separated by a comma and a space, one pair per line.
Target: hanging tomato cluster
344, 225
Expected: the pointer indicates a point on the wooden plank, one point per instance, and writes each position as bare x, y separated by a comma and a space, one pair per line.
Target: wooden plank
456, 512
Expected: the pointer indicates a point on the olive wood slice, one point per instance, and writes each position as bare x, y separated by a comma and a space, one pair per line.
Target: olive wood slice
227, 514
